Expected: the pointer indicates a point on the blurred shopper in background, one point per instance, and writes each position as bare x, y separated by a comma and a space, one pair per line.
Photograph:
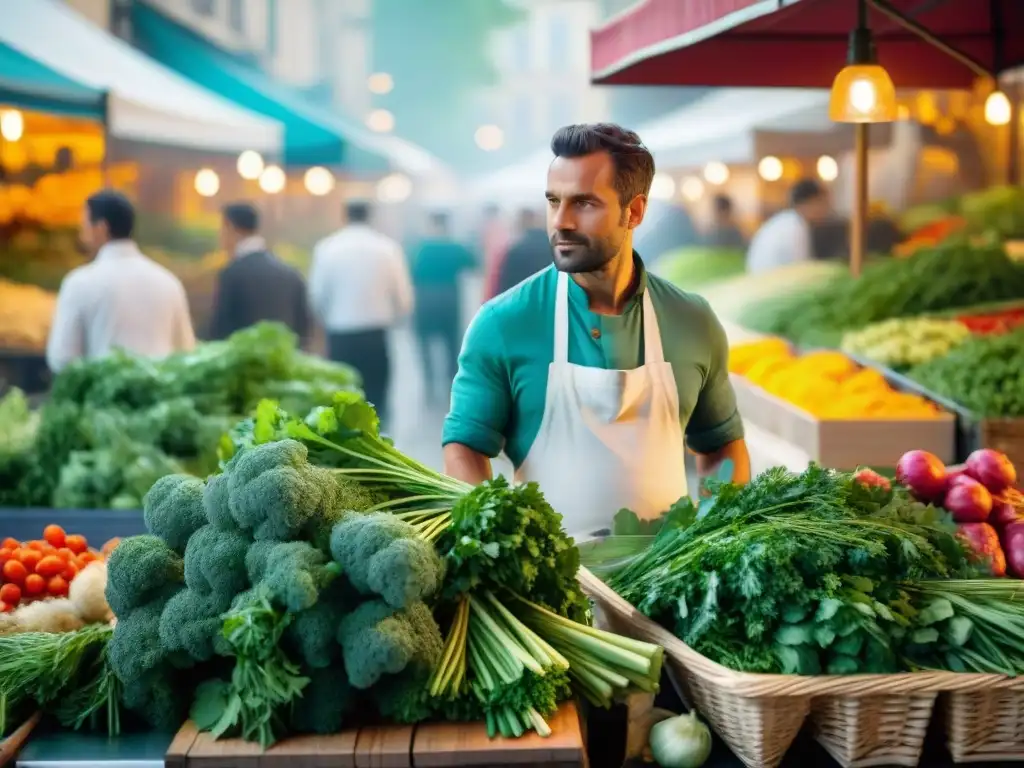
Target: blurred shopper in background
256, 285
122, 299
438, 265
529, 255
725, 232
786, 237
494, 242
360, 288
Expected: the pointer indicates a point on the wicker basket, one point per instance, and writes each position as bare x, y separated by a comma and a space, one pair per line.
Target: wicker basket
861, 720
986, 724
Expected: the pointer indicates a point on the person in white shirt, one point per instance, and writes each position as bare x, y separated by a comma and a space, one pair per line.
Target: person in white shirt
360, 288
786, 237
121, 299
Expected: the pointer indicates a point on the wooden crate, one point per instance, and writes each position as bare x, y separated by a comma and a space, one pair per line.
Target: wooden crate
430, 745
844, 443
440, 745
1006, 435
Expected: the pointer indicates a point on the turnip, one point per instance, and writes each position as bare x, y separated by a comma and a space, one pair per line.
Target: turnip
923, 473
1013, 548
992, 469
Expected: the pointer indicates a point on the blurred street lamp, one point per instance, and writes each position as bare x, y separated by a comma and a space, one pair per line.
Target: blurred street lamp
272, 180
207, 182
489, 138
381, 121
250, 165
663, 187
692, 189
828, 168
319, 181
716, 173
997, 109
380, 83
770, 168
12, 125
394, 188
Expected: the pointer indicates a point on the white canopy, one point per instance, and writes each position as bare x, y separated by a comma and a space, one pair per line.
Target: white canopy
720, 126
147, 102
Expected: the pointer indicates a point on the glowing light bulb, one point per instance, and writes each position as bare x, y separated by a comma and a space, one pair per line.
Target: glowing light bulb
716, 173
770, 168
319, 181
692, 189
663, 187
863, 95
250, 165
12, 125
828, 168
997, 109
207, 182
272, 180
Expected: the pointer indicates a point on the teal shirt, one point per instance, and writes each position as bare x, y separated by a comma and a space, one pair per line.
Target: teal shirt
498, 394
438, 263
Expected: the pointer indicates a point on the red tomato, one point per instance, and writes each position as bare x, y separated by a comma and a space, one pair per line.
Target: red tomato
5, 555
10, 544
58, 587
30, 559
70, 571
34, 584
14, 571
76, 543
54, 535
10, 594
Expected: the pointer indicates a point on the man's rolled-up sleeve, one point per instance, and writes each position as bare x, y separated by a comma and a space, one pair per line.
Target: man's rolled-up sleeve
481, 402
715, 421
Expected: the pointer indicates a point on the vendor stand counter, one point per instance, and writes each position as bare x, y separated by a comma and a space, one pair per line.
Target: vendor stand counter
430, 745
97, 525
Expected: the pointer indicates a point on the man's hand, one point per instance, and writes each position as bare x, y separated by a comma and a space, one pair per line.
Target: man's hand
465, 464
735, 452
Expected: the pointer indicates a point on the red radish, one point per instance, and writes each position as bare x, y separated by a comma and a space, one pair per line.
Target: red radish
968, 501
1013, 548
992, 469
984, 542
961, 478
923, 473
1007, 507
872, 479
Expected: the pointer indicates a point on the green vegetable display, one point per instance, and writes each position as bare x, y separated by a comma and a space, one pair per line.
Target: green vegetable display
697, 266
111, 427
329, 574
944, 277
984, 374
803, 574
905, 342
997, 212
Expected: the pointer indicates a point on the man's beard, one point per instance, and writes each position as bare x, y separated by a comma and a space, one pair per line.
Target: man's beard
588, 255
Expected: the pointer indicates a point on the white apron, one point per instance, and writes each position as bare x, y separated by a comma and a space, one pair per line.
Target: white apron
608, 439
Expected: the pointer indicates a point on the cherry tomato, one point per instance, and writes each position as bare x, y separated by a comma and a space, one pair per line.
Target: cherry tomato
30, 559
70, 571
5, 608
5, 555
54, 535
57, 586
10, 544
34, 584
10, 594
15, 571
50, 566
76, 543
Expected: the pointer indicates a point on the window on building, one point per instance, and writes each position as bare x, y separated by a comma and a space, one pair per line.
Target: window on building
236, 15
204, 7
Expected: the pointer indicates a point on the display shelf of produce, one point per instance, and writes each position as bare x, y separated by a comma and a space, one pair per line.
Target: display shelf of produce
96, 525
972, 432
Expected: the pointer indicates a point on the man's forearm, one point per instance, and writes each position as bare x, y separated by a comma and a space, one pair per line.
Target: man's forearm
465, 464
736, 452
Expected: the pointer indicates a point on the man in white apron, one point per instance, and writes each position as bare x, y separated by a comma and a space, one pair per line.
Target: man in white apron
589, 374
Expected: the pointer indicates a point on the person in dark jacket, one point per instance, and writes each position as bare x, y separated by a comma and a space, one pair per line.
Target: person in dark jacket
438, 264
256, 285
528, 255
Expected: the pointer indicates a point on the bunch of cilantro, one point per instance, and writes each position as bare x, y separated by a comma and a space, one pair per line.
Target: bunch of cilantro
795, 573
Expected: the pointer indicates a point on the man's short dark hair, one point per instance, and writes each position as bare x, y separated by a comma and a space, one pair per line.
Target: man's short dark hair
804, 191
242, 216
357, 211
634, 164
723, 203
114, 210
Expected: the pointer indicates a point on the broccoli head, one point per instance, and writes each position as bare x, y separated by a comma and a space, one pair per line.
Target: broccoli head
215, 503
173, 509
377, 640
381, 555
404, 698
324, 703
312, 636
191, 623
215, 561
135, 646
256, 559
296, 572
274, 491
137, 570
159, 697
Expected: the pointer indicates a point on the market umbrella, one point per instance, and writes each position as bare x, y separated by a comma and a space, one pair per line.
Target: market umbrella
800, 43
803, 43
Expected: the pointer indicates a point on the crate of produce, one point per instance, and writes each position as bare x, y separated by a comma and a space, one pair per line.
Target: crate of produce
839, 413
861, 720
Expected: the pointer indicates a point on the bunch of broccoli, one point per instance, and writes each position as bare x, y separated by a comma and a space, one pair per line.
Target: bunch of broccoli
271, 598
